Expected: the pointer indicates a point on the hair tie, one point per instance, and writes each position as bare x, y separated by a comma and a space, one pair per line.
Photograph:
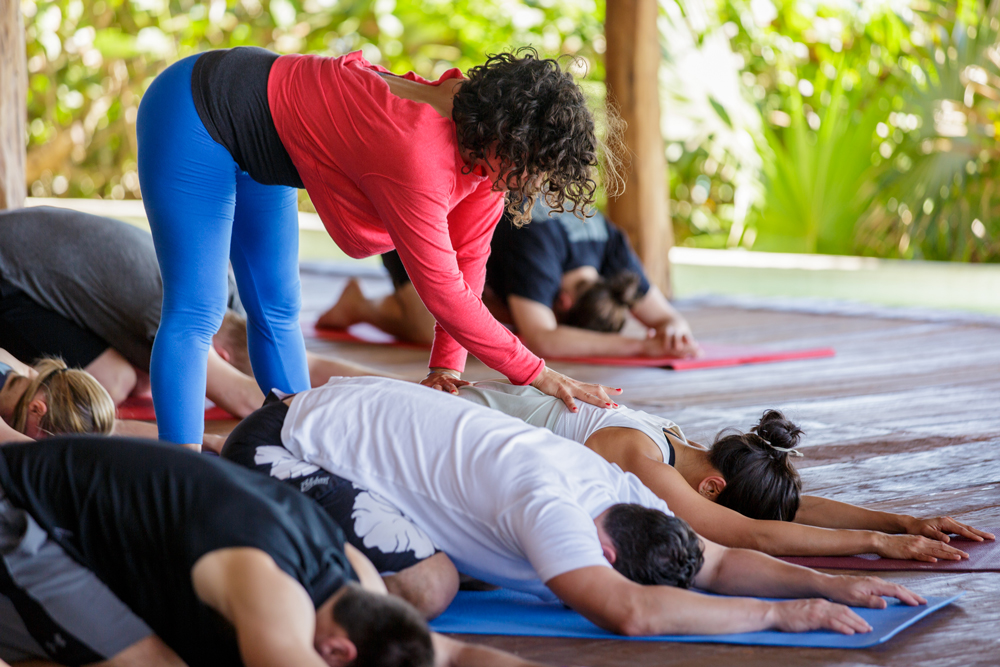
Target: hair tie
791, 451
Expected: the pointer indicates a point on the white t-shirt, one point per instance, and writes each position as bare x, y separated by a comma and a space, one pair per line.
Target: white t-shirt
538, 409
511, 504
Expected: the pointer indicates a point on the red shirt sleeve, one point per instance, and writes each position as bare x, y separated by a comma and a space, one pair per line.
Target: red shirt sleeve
445, 256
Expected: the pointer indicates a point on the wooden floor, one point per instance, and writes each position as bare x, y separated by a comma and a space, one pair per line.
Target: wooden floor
905, 418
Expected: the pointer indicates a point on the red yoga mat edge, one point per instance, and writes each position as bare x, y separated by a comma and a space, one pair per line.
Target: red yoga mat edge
141, 409
716, 356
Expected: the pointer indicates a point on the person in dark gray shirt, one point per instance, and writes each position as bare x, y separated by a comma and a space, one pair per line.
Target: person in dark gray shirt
88, 289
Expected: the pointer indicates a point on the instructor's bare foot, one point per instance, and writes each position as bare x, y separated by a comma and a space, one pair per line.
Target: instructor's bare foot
347, 310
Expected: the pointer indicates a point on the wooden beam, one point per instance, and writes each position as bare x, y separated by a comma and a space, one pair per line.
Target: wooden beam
632, 62
13, 101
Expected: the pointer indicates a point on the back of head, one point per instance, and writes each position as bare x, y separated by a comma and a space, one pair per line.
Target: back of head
76, 402
605, 305
653, 548
761, 482
385, 630
533, 117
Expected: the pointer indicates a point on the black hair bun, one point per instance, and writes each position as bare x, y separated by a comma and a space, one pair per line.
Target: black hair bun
779, 432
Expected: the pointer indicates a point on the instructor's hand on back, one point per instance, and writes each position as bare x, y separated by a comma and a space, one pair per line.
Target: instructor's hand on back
567, 389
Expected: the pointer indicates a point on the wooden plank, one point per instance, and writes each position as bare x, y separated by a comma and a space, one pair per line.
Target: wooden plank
632, 62
13, 109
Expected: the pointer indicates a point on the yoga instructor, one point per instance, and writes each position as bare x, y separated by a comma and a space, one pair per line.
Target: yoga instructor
226, 138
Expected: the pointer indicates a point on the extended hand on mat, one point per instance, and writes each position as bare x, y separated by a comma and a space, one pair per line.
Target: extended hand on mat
742, 491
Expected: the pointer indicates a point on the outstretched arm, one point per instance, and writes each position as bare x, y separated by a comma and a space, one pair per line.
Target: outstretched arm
778, 538
537, 325
815, 511
619, 605
8, 434
452, 653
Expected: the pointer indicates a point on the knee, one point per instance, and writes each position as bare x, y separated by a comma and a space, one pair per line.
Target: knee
429, 586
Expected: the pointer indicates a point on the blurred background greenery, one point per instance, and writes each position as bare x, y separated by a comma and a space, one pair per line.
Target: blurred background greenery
825, 126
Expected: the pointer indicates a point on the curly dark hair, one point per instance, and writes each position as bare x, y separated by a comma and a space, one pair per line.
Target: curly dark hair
653, 548
533, 117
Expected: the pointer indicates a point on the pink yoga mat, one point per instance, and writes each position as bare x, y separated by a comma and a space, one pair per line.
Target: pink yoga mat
141, 408
983, 557
714, 355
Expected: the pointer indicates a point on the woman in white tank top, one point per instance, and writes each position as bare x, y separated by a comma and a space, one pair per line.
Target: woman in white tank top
742, 491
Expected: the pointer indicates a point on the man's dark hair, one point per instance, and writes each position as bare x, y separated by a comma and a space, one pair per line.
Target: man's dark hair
761, 482
653, 548
604, 305
535, 117
386, 631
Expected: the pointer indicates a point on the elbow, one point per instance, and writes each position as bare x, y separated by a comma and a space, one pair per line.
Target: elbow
630, 622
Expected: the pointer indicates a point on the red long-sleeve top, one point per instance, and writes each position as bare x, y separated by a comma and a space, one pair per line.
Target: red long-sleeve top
385, 172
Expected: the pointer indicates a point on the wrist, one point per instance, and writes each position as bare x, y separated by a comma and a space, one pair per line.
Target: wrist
903, 523
769, 615
875, 542
451, 372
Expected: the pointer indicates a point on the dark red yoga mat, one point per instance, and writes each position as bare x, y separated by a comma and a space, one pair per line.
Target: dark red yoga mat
141, 408
714, 355
983, 557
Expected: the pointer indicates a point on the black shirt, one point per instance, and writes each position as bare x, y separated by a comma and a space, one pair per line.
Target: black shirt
229, 88
141, 514
530, 262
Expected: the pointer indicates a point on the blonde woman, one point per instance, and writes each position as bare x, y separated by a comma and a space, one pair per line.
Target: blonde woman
50, 399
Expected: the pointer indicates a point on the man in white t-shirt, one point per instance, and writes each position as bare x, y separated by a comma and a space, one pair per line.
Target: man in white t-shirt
517, 506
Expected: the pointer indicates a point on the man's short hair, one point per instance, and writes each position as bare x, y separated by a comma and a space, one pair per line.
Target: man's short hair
385, 630
653, 548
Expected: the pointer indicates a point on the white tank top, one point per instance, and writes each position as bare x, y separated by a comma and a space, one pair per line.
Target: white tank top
538, 409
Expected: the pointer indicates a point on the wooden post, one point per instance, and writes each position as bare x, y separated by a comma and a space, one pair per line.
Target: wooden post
13, 101
632, 62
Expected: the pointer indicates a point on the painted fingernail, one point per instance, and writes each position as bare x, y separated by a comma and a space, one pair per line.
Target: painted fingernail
608, 404
616, 405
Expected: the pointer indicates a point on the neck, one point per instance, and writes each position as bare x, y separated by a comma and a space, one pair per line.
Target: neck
692, 463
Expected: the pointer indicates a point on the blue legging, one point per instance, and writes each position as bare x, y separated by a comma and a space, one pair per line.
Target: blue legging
203, 212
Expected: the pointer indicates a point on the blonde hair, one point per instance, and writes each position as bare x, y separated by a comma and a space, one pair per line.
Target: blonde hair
77, 403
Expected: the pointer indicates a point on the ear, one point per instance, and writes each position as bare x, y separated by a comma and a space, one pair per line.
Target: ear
564, 301
711, 487
337, 650
37, 409
609, 552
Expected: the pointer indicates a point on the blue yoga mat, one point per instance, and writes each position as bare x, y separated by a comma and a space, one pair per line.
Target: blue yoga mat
505, 612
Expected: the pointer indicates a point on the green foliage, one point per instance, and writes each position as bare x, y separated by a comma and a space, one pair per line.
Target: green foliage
89, 62
839, 126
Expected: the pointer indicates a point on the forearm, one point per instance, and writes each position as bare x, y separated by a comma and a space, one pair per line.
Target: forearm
782, 538
8, 434
671, 611
566, 341
826, 513
747, 572
654, 310
231, 390
128, 427
321, 369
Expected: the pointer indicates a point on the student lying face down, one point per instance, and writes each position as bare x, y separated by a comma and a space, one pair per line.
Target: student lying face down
146, 554
50, 399
516, 506
88, 289
566, 286
741, 492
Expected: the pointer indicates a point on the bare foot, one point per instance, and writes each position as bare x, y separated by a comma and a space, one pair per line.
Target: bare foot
347, 310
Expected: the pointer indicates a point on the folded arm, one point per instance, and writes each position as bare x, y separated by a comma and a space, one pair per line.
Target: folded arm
273, 615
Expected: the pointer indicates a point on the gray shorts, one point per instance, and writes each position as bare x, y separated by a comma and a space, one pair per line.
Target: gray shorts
51, 607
